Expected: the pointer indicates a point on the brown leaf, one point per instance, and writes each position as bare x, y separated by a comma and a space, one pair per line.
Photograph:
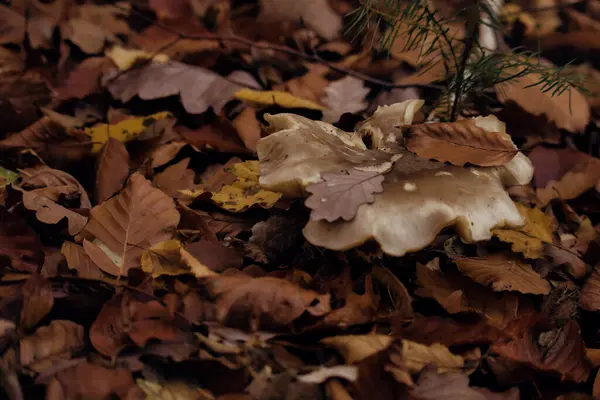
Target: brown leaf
78, 260
468, 141
198, 88
355, 348
568, 110
75, 383
432, 385
20, 245
112, 169
248, 128
51, 141
37, 301
57, 341
215, 255
563, 173
429, 330
589, 298
459, 294
358, 309
135, 219
341, 194
21, 93
345, 95
84, 79
220, 135
44, 177
276, 237
175, 178
262, 302
558, 350
503, 273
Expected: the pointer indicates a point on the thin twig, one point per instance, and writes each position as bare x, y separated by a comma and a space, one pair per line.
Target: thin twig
282, 49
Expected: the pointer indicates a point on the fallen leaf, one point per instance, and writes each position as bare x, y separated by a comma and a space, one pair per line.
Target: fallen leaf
249, 302
479, 141
244, 192
589, 299
559, 350
528, 239
345, 95
355, 348
21, 247
175, 178
78, 260
37, 301
276, 237
263, 98
503, 273
347, 372
433, 385
123, 131
124, 58
214, 255
198, 88
7, 177
169, 390
342, 193
75, 383
48, 344
317, 14
164, 259
84, 79
248, 128
414, 357
112, 169
139, 217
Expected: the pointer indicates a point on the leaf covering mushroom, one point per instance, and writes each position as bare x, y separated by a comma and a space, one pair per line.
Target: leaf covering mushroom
420, 197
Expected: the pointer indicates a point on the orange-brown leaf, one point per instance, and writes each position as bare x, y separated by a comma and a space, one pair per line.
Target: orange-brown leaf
112, 169
460, 143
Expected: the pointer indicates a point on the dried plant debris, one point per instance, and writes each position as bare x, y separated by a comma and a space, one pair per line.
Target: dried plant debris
204, 199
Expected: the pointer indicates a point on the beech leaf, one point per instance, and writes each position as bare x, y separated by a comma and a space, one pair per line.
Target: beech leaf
503, 273
199, 88
112, 169
468, 141
342, 193
139, 217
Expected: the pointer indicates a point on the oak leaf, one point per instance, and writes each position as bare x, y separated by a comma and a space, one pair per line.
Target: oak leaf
345, 95
263, 98
342, 193
50, 344
254, 303
503, 273
112, 169
139, 217
560, 350
529, 238
123, 131
20, 245
199, 88
479, 141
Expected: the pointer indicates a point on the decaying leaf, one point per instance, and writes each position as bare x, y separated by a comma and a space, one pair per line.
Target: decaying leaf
37, 301
503, 273
479, 141
244, 192
123, 131
275, 98
345, 95
529, 238
249, 302
112, 169
342, 193
559, 350
414, 357
21, 247
139, 217
49, 344
198, 88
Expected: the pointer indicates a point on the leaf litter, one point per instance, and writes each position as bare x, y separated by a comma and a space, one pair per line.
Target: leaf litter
210, 200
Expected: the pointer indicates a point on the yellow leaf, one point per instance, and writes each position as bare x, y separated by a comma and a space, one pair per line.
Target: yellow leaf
244, 192
123, 131
126, 58
274, 97
164, 259
7, 177
528, 239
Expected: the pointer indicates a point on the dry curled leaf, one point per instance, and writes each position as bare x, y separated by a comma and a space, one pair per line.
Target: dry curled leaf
560, 350
479, 141
249, 302
199, 88
342, 193
139, 217
503, 273
529, 238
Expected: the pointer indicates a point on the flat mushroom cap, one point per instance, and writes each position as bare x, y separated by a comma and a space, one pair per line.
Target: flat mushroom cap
420, 197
